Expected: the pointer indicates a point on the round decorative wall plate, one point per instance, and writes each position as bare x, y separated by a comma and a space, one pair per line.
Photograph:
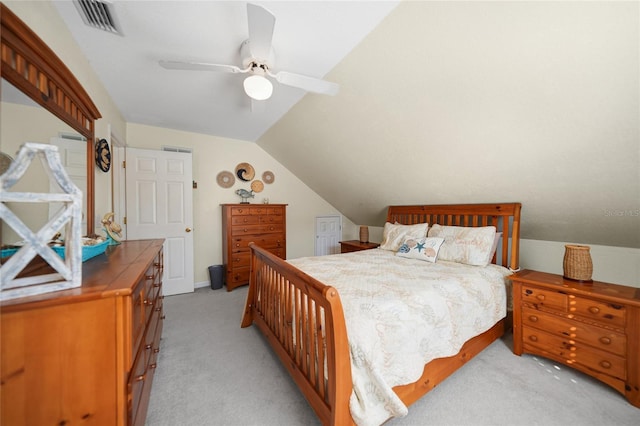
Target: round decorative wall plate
103, 155
225, 179
268, 177
245, 172
257, 186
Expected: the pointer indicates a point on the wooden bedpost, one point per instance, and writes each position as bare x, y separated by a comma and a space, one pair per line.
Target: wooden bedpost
247, 318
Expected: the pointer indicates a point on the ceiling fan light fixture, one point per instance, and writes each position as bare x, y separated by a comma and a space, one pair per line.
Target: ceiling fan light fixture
258, 87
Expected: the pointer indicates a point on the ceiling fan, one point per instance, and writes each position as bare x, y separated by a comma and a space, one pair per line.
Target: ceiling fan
257, 61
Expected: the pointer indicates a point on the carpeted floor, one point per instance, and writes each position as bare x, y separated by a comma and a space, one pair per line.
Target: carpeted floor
212, 372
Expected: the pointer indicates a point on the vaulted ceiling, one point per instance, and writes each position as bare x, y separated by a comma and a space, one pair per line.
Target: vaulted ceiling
310, 38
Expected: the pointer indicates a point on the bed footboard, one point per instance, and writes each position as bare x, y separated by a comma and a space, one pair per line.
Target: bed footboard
303, 321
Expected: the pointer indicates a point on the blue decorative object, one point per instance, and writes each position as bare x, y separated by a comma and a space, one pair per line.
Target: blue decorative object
88, 252
245, 195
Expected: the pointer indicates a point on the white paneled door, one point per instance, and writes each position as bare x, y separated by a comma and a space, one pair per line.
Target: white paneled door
328, 234
160, 205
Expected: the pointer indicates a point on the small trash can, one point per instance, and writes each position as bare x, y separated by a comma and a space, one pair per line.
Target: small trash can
215, 276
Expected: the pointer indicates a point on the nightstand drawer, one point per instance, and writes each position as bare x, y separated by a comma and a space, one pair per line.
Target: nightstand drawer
544, 298
601, 338
571, 352
604, 313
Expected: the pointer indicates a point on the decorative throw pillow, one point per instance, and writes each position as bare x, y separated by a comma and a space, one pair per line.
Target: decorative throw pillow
422, 249
468, 245
394, 235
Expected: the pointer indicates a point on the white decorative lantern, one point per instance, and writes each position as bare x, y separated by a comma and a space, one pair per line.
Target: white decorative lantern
69, 270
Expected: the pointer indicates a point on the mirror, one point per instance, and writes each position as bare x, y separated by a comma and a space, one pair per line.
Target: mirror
16, 110
31, 68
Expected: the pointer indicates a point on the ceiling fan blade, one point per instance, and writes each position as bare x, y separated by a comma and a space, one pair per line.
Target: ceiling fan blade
261, 25
200, 66
309, 84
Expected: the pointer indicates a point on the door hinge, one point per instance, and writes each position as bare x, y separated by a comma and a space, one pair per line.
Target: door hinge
124, 220
124, 164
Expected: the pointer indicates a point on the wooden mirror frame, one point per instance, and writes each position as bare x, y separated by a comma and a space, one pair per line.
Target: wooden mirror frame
33, 68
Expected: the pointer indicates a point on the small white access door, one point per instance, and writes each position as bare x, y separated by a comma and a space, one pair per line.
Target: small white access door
328, 234
160, 205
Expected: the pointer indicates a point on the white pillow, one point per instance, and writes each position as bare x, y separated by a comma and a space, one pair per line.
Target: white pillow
394, 235
422, 249
468, 245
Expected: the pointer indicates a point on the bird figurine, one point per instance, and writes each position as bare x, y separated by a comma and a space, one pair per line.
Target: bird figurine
245, 195
114, 230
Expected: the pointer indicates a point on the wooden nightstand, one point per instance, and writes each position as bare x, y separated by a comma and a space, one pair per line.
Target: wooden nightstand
592, 327
355, 245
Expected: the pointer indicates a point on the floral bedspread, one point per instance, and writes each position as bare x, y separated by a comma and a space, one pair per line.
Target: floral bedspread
402, 313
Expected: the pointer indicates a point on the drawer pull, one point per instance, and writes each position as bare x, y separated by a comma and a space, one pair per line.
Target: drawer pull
147, 347
533, 318
149, 277
158, 309
594, 309
528, 291
139, 378
605, 340
605, 364
533, 338
154, 365
540, 297
156, 350
157, 264
157, 285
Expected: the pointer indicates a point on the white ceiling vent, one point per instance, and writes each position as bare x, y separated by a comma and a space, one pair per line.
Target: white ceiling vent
99, 14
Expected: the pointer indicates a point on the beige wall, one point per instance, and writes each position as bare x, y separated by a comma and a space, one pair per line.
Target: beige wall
212, 155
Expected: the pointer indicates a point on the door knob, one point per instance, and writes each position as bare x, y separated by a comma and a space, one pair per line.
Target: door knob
188, 229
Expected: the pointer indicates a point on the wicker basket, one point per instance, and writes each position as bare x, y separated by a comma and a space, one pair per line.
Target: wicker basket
577, 263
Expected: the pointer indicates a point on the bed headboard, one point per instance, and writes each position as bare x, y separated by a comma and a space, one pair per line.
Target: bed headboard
504, 216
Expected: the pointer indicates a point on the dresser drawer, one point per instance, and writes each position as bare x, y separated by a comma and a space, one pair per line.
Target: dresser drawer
257, 229
571, 352
138, 316
542, 299
238, 275
273, 218
603, 313
239, 259
266, 241
601, 338
245, 220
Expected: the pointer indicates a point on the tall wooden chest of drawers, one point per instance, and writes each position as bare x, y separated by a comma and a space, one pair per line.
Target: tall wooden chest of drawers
265, 225
88, 354
593, 327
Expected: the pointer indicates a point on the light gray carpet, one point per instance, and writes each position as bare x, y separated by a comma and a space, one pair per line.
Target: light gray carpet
212, 372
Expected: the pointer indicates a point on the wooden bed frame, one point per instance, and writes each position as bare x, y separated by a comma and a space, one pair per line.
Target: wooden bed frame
303, 321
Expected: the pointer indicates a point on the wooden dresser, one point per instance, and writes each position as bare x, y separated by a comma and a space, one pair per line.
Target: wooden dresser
86, 354
265, 225
592, 327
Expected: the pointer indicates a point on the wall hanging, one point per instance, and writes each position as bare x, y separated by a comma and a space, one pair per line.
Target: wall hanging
245, 172
225, 179
103, 155
268, 177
